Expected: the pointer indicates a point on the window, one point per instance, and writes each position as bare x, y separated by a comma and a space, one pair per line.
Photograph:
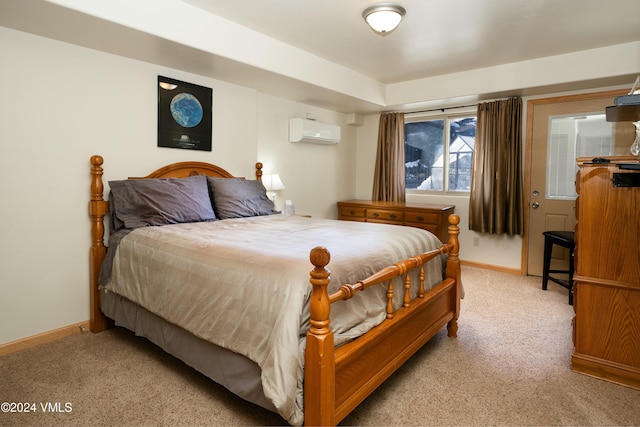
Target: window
426, 151
570, 137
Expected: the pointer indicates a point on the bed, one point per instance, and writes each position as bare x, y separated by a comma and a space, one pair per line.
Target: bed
245, 295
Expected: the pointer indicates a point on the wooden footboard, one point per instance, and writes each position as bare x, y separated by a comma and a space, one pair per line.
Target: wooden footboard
338, 380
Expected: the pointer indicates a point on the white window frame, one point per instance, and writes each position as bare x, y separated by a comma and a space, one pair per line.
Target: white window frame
447, 117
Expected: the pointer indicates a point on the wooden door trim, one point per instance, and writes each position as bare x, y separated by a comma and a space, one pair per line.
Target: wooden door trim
531, 104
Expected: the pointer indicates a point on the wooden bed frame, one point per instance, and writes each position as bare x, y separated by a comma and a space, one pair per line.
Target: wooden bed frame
335, 380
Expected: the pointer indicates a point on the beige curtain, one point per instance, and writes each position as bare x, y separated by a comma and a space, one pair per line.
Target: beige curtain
389, 179
496, 200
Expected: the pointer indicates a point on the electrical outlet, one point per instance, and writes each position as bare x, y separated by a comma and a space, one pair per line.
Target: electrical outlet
476, 241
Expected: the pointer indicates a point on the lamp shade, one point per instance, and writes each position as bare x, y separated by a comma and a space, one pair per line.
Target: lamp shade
272, 182
384, 17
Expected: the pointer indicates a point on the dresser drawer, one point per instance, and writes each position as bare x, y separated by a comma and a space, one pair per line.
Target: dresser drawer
353, 213
422, 217
385, 215
429, 217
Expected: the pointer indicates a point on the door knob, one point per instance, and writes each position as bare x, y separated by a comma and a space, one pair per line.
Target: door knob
535, 205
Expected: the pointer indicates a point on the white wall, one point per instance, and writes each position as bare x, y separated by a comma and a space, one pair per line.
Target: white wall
61, 104
315, 176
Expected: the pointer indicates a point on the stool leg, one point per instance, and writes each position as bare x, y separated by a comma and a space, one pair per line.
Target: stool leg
546, 263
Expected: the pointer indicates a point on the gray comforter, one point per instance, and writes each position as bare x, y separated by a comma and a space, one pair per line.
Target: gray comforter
243, 284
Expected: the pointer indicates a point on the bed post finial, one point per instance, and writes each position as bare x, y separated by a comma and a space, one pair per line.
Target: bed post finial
320, 306
454, 232
320, 363
259, 171
98, 208
97, 205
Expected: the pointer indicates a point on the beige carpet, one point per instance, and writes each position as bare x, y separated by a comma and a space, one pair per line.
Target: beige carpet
510, 365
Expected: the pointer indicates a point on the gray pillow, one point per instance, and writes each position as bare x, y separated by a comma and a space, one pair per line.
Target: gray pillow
160, 201
239, 198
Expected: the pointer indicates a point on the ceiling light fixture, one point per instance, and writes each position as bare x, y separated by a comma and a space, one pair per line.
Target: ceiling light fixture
384, 17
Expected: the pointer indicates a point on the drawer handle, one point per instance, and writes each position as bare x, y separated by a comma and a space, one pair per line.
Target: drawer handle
420, 218
393, 216
376, 215
352, 212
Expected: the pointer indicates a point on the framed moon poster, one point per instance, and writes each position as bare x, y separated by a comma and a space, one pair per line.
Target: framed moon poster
184, 115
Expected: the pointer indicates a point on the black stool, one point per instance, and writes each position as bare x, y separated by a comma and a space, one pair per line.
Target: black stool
564, 239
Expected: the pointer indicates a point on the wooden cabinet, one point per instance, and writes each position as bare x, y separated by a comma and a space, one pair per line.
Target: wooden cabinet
606, 329
433, 218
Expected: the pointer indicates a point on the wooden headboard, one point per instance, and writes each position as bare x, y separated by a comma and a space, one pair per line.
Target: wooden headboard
185, 169
98, 208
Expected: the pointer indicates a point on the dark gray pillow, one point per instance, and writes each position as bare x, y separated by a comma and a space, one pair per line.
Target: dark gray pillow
160, 201
239, 198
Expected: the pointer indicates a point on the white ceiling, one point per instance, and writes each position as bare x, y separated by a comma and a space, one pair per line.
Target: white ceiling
437, 36
322, 53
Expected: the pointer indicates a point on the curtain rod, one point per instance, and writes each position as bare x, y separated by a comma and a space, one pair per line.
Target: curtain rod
443, 109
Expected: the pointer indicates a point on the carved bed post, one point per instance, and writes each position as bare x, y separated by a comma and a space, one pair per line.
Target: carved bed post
259, 171
319, 379
453, 270
98, 208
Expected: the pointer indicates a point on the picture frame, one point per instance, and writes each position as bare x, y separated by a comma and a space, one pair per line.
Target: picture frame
184, 115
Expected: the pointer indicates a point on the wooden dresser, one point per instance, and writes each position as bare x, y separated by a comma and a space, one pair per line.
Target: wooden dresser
606, 329
433, 218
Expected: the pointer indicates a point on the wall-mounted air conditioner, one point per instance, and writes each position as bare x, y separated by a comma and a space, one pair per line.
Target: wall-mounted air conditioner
305, 130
